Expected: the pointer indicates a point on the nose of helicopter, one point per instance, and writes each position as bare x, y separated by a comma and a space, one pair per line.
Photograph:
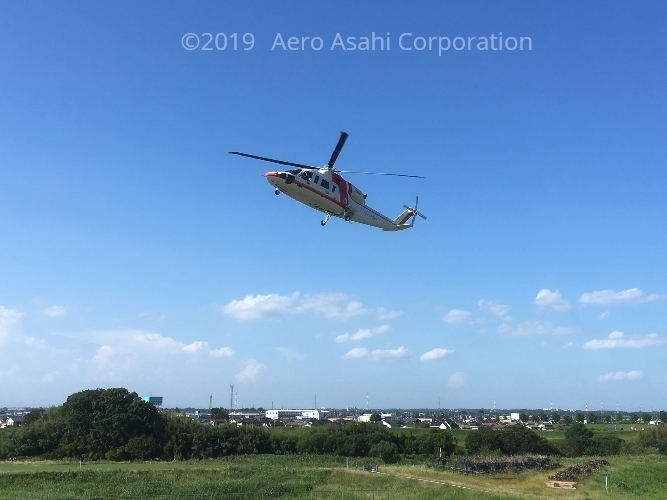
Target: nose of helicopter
272, 178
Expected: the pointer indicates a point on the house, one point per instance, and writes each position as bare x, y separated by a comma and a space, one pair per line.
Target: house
14, 421
445, 424
392, 423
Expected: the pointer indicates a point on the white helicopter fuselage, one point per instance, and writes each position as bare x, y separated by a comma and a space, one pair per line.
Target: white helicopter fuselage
328, 192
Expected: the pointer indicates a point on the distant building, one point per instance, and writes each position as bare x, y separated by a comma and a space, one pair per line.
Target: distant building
153, 400
366, 417
294, 414
12, 421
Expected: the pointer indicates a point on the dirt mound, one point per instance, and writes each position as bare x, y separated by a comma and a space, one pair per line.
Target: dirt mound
576, 472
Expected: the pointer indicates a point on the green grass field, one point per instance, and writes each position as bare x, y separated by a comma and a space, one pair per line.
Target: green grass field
632, 477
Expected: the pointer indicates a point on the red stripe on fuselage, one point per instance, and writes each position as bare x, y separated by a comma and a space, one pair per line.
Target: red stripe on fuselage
406, 218
306, 186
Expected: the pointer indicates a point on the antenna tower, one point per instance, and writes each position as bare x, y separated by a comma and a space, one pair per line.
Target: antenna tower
231, 399
366, 400
210, 403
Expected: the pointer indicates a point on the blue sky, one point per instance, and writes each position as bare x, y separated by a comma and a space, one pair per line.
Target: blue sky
136, 252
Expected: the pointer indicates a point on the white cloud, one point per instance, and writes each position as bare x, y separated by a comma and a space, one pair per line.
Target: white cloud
103, 355
528, 328
623, 297
127, 347
604, 315
8, 318
273, 306
456, 316
251, 371
570, 345
456, 380
616, 340
221, 352
356, 353
50, 377
383, 314
196, 346
551, 300
332, 305
436, 353
493, 307
270, 306
54, 311
363, 333
376, 354
613, 376
288, 353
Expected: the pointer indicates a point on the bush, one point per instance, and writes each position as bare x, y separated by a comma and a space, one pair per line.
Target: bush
515, 440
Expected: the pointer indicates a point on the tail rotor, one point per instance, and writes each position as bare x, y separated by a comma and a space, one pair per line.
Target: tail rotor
415, 212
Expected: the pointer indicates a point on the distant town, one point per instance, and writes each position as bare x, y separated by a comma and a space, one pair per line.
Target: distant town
463, 418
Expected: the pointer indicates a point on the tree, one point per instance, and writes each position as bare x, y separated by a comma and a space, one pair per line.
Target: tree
633, 418
619, 418
663, 417
387, 451
523, 417
376, 417
567, 419
592, 417
579, 417
607, 418
33, 417
99, 424
542, 416
555, 417
219, 414
514, 440
578, 441
646, 417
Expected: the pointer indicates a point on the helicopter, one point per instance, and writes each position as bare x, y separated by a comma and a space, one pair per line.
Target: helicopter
323, 189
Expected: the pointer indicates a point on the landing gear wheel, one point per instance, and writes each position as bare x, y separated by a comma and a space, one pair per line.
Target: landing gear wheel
324, 223
347, 218
277, 191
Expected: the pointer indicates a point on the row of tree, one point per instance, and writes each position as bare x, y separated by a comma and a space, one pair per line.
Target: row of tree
114, 424
591, 417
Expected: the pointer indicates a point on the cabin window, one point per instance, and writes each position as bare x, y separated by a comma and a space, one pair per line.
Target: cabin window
306, 175
333, 188
317, 179
325, 184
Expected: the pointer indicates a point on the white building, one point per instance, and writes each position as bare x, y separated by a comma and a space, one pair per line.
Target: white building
366, 417
292, 414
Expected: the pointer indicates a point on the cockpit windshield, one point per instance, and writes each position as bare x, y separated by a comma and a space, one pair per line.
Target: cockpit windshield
295, 171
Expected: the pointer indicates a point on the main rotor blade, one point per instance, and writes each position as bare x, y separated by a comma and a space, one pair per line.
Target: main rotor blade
336, 152
280, 162
380, 173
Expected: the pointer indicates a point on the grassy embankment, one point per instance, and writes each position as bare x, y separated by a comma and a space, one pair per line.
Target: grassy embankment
632, 477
